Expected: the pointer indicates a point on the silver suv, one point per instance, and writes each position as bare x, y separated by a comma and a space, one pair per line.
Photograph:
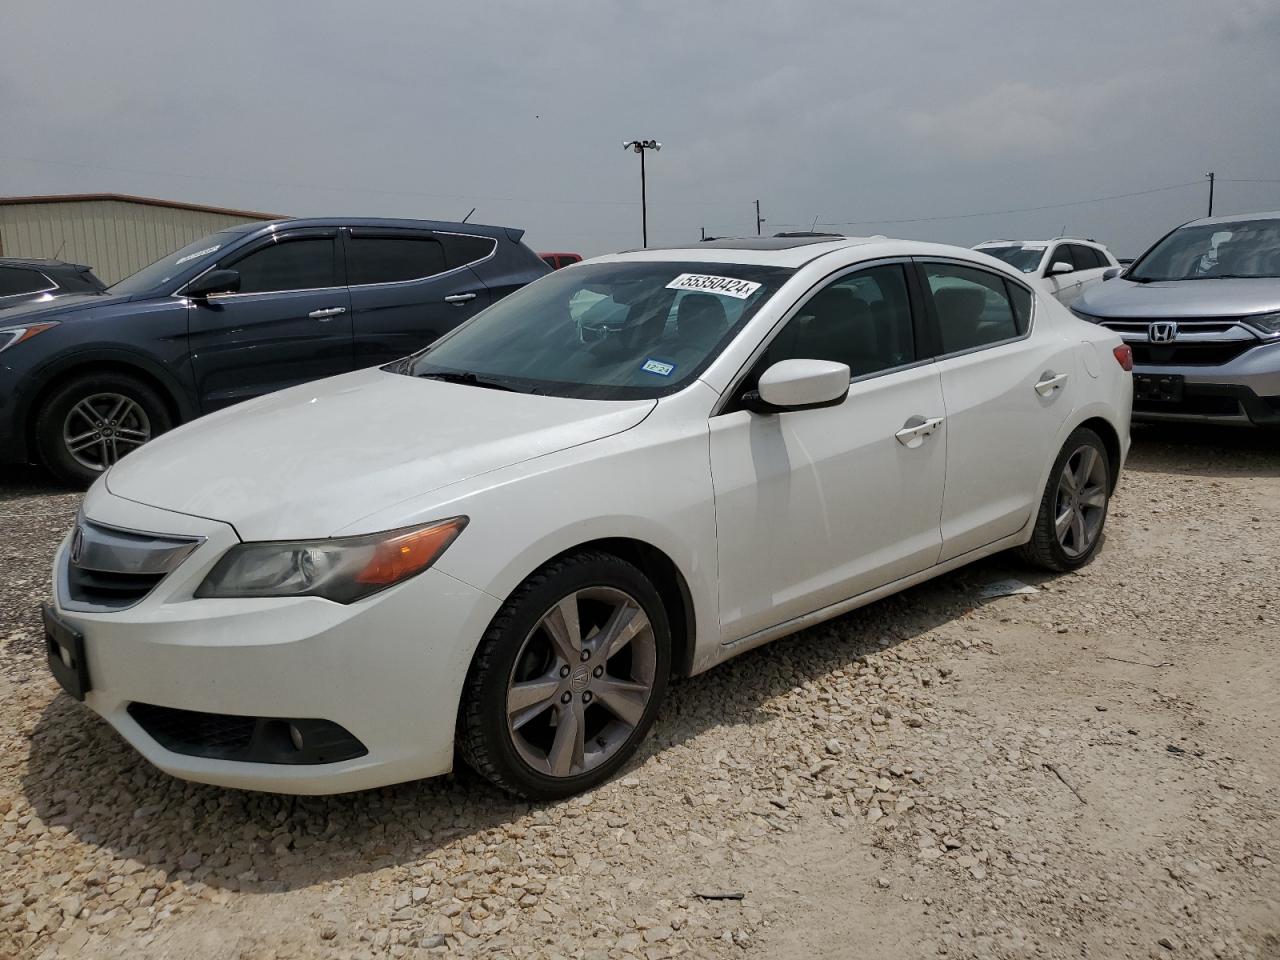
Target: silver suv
1201, 310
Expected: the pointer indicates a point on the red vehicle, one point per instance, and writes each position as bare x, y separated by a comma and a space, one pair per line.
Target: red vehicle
557, 260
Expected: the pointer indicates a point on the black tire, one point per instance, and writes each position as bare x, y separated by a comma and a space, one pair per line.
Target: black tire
483, 736
1045, 549
152, 414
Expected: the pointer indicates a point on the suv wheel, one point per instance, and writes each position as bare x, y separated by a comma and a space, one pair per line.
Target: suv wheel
567, 680
92, 421
1073, 509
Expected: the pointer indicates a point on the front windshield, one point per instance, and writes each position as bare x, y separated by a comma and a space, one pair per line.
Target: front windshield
1026, 259
1248, 248
607, 331
170, 265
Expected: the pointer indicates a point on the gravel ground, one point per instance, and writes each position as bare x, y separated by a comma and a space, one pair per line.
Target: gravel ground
1087, 770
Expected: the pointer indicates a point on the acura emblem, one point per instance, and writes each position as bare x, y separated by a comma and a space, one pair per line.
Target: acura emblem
1162, 331
77, 543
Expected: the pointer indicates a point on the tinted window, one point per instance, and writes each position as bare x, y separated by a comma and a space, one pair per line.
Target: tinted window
287, 265
460, 250
973, 307
862, 320
15, 280
389, 259
1085, 258
1020, 297
1061, 254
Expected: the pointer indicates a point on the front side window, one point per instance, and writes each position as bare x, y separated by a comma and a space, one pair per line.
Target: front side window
862, 320
1247, 248
973, 307
1085, 258
19, 280
608, 331
392, 259
301, 264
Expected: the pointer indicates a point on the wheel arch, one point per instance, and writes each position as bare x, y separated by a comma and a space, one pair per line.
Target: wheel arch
1111, 440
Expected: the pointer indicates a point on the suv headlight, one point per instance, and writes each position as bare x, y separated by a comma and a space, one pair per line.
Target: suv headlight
343, 570
1267, 324
9, 336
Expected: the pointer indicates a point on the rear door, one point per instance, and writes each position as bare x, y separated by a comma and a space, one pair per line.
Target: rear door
409, 287
289, 323
1008, 384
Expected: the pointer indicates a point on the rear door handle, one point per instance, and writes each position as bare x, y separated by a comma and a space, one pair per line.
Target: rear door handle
915, 430
458, 299
327, 313
1049, 382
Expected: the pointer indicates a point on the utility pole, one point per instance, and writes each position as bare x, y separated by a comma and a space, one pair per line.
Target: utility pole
1210, 176
758, 220
703, 232
640, 146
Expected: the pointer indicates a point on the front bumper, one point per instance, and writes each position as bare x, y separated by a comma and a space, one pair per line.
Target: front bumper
1243, 392
388, 669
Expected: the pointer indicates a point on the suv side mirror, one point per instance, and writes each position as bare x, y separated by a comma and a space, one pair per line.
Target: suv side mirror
799, 385
1060, 266
1110, 272
215, 281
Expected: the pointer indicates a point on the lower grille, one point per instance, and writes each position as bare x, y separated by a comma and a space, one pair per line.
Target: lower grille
103, 588
225, 736
215, 734
1192, 354
1199, 406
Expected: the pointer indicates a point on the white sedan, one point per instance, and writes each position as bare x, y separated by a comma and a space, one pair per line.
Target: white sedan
505, 545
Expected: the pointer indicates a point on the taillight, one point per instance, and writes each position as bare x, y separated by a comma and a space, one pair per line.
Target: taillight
1124, 356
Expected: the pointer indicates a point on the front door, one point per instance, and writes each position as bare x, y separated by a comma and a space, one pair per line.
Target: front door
290, 322
1007, 390
816, 506
410, 287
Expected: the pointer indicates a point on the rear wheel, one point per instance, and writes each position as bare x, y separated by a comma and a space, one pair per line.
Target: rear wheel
567, 680
92, 421
1073, 509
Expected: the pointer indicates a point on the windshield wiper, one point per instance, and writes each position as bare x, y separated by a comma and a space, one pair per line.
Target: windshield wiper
471, 380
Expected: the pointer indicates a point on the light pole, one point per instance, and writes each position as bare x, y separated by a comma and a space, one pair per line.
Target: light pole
640, 146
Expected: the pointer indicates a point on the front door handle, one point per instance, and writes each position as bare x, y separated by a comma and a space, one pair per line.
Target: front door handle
1049, 382
327, 313
458, 299
915, 430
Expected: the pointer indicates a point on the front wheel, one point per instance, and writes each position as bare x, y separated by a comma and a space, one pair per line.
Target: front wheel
1073, 508
568, 678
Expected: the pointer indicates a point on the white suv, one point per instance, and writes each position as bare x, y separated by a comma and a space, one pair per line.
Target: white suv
1068, 267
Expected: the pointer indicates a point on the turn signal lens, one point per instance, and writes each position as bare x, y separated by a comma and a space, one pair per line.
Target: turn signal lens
1124, 356
400, 557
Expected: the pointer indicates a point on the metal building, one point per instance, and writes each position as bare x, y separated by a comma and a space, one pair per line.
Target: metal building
113, 233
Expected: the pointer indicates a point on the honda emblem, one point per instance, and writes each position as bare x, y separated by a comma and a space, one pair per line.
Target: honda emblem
1162, 331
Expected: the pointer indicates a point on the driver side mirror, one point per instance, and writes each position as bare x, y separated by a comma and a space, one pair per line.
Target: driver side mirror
213, 282
799, 385
1060, 266
1110, 272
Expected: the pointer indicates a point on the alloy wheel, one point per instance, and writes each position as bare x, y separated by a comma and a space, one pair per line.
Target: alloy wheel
102, 428
1081, 502
581, 682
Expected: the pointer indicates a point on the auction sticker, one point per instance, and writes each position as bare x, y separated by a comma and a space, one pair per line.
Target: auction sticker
706, 283
660, 367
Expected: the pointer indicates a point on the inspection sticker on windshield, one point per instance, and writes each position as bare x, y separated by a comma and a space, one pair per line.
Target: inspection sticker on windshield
198, 253
660, 367
725, 286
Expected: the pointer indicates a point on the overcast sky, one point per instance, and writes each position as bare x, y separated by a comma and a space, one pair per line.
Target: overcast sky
839, 111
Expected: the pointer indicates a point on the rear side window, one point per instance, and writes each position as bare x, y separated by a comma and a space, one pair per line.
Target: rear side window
461, 250
973, 307
303, 264
1020, 297
393, 259
19, 280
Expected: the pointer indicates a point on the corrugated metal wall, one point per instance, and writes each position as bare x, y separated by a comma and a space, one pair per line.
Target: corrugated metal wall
114, 237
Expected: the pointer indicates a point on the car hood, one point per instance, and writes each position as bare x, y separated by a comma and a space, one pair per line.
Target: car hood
313, 459
1121, 298
54, 309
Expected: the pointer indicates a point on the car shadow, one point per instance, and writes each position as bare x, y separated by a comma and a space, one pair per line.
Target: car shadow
17, 482
1204, 450
82, 776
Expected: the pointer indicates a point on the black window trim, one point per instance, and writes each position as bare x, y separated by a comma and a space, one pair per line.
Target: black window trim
932, 314
30, 293
356, 233
729, 401
274, 237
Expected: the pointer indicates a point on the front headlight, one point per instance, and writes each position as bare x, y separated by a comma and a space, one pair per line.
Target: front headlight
343, 570
10, 336
1267, 324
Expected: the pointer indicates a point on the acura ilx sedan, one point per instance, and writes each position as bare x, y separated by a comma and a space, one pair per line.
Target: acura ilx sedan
505, 545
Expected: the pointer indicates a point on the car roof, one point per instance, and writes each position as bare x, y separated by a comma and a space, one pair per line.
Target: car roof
792, 252
40, 263
1234, 218
1033, 244
444, 226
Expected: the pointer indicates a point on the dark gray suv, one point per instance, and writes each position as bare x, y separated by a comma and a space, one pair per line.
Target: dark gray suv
1201, 310
242, 312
